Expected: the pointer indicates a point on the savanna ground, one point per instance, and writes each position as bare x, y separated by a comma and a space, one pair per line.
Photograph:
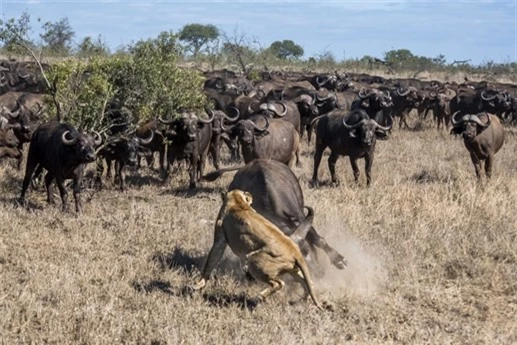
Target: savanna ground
432, 258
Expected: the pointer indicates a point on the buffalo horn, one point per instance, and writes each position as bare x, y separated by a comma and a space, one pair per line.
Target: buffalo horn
350, 127
68, 141
402, 93
273, 108
233, 119
384, 128
97, 139
251, 107
460, 121
487, 98
320, 83
363, 93
13, 114
146, 141
166, 122
209, 120
257, 128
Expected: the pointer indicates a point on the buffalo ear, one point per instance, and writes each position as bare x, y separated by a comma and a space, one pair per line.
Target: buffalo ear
261, 134
353, 133
381, 135
456, 130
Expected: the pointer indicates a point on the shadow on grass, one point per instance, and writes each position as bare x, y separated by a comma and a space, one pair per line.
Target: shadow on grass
220, 300
186, 192
190, 264
179, 258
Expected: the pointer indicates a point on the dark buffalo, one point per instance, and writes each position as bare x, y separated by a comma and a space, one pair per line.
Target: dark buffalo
61, 150
483, 135
8, 143
264, 138
277, 196
190, 139
219, 135
470, 101
157, 144
350, 134
123, 152
286, 110
441, 106
404, 100
374, 102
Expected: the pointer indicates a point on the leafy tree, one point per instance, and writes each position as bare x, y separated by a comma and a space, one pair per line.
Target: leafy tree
90, 47
286, 49
399, 57
58, 36
14, 32
197, 36
146, 80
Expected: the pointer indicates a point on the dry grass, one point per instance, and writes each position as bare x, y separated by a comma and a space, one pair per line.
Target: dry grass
432, 259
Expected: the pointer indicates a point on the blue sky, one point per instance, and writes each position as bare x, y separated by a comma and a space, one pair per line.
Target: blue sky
480, 30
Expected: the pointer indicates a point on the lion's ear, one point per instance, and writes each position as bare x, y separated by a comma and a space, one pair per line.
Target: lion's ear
249, 198
223, 196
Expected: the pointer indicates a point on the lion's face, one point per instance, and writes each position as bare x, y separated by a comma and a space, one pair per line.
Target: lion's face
238, 197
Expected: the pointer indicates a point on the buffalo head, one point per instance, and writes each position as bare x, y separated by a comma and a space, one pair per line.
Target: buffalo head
469, 126
219, 116
186, 125
367, 130
375, 99
246, 130
82, 145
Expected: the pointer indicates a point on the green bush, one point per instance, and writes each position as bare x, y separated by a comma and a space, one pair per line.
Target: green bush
147, 81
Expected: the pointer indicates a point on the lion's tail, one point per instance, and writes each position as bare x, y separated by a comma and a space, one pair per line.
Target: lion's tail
302, 265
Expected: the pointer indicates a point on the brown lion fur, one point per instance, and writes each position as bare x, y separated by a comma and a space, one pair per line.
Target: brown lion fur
270, 253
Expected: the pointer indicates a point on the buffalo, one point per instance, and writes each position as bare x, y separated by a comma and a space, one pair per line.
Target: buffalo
8, 142
276, 139
61, 150
189, 137
123, 151
350, 134
483, 136
277, 195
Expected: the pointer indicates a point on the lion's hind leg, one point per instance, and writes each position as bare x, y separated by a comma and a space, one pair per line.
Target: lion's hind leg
276, 285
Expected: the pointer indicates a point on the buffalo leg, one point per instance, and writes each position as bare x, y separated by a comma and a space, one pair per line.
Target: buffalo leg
201, 165
488, 165
49, 178
121, 175
217, 250
29, 170
20, 159
332, 167
215, 148
62, 191
477, 164
320, 147
161, 157
368, 160
194, 161
316, 240
355, 168
99, 172
77, 192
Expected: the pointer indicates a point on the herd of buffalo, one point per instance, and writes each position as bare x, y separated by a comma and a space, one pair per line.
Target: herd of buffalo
261, 122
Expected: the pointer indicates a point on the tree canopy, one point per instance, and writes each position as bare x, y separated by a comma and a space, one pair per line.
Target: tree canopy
286, 49
58, 36
197, 36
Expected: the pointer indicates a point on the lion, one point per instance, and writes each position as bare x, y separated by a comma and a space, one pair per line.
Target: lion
269, 252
